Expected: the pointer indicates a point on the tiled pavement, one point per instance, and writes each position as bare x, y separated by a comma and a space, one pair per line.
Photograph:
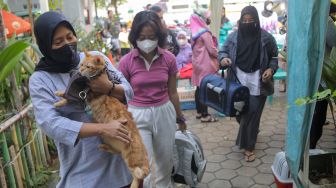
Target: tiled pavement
226, 165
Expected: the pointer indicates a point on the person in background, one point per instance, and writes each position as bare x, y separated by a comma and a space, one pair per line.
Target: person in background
226, 26
321, 107
269, 18
172, 44
184, 56
72, 128
204, 57
252, 53
123, 39
112, 30
147, 7
152, 70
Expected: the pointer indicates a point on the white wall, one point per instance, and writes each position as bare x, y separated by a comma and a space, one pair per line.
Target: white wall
73, 11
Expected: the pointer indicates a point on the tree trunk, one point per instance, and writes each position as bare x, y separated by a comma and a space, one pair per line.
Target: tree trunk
96, 9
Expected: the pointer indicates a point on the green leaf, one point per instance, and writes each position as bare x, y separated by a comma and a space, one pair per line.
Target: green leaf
12, 51
333, 55
300, 101
10, 66
333, 94
324, 94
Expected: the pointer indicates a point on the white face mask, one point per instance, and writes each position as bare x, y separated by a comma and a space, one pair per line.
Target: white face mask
182, 42
269, 7
147, 45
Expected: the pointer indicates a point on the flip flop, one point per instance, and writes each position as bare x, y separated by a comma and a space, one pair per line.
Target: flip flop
198, 116
208, 119
249, 157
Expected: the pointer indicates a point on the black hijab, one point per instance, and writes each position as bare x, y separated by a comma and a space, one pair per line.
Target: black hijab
267, 13
58, 61
249, 42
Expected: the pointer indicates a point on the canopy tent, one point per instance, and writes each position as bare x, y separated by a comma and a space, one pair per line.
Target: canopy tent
14, 24
307, 22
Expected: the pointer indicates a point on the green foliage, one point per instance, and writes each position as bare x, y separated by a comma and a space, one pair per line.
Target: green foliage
56, 5
3, 5
15, 59
92, 40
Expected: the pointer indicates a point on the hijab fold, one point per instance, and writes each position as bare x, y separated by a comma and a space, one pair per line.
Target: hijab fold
249, 42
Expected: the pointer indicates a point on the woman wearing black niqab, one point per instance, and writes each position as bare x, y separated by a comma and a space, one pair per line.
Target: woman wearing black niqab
76, 136
252, 54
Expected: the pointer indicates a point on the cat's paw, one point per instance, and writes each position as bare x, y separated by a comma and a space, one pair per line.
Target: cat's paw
60, 93
61, 103
107, 148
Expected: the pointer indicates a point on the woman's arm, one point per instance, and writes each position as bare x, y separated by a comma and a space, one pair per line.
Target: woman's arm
209, 45
174, 98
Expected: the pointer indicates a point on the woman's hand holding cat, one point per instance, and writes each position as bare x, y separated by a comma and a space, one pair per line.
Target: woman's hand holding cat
101, 84
116, 129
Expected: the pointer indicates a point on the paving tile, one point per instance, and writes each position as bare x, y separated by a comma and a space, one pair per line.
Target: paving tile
263, 139
220, 184
276, 144
231, 164
272, 151
208, 177
247, 171
278, 137
254, 163
265, 179
261, 145
225, 174
259, 186
216, 158
209, 146
235, 156
268, 159
265, 168
259, 153
265, 133
226, 143
241, 182
215, 139
212, 167
222, 150
328, 145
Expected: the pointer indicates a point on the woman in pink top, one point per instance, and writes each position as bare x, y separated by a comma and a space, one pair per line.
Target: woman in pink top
151, 71
204, 57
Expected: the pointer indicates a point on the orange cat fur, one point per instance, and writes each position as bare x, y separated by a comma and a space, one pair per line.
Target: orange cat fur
105, 109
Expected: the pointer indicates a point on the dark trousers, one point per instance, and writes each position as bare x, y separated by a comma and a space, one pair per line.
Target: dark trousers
200, 108
319, 118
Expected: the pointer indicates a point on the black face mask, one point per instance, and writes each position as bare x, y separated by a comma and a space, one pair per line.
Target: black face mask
66, 54
248, 29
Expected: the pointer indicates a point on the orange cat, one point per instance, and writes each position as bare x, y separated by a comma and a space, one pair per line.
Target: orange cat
105, 109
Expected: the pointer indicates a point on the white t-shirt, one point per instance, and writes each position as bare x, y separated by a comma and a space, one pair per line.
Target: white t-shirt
250, 80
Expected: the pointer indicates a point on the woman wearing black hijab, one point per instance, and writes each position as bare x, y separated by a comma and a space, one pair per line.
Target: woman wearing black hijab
252, 54
76, 137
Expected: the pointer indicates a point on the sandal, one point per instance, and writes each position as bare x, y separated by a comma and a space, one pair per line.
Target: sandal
198, 116
209, 119
249, 156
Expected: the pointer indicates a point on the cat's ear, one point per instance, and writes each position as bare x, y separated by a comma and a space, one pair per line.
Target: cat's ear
86, 53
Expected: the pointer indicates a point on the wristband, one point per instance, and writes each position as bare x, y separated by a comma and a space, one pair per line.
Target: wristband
180, 120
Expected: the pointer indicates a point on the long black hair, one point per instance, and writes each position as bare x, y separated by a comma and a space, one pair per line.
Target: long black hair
147, 18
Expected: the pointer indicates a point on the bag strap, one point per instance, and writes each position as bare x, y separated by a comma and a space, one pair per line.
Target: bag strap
228, 80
